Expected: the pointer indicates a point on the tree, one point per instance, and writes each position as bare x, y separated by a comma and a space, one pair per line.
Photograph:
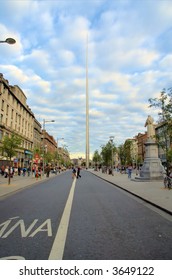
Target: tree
10, 145
96, 157
124, 151
121, 154
107, 151
164, 138
127, 151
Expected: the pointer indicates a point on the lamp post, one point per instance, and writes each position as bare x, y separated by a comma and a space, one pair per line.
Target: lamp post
9, 41
58, 139
44, 122
111, 140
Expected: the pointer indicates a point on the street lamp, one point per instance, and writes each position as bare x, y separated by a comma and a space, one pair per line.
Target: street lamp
44, 122
9, 41
58, 141
111, 140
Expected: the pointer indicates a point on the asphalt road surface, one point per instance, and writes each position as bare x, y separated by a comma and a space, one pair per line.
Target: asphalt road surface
82, 219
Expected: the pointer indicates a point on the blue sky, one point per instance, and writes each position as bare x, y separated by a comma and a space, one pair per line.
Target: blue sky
129, 61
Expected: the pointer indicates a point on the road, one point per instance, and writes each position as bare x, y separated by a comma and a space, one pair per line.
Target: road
82, 219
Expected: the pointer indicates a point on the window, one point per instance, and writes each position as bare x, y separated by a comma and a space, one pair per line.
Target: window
2, 105
7, 110
1, 134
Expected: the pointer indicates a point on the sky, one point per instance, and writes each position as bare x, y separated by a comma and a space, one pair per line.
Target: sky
129, 61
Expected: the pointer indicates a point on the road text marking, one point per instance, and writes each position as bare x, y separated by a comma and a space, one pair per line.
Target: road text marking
6, 230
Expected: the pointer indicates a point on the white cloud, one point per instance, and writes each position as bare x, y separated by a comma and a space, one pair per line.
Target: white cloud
126, 63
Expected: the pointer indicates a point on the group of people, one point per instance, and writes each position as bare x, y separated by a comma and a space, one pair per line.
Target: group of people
23, 171
7, 170
122, 169
76, 172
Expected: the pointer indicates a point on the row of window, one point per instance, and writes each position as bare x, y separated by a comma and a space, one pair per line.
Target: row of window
16, 121
25, 144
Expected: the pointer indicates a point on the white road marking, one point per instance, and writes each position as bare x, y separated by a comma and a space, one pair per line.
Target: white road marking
44, 227
57, 249
13, 258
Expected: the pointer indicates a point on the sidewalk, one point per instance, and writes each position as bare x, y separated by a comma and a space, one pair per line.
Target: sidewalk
152, 192
20, 182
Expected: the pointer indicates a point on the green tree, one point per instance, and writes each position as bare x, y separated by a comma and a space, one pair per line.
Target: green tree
107, 151
164, 138
10, 145
48, 157
121, 154
96, 158
124, 151
127, 151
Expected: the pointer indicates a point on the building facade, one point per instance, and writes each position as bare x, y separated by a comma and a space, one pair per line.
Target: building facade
16, 116
164, 143
37, 134
141, 139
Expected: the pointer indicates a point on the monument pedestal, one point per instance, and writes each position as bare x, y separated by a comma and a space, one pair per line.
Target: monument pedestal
152, 169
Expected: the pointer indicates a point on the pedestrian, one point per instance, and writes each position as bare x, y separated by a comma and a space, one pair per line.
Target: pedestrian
19, 171
28, 171
39, 172
6, 172
2, 170
78, 172
24, 171
129, 170
33, 171
73, 172
47, 170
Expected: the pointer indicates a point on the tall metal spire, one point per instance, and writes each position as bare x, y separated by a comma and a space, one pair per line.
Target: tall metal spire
87, 110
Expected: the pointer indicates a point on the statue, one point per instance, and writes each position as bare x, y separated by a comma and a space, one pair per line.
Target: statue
150, 127
152, 169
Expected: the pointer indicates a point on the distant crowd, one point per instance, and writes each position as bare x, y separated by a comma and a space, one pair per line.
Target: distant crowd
36, 171
122, 169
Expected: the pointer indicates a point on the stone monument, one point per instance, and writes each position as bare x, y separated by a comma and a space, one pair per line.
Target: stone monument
152, 168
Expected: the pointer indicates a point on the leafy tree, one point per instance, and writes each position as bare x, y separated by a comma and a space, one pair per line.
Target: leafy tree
121, 154
164, 138
48, 157
96, 157
10, 145
124, 151
106, 153
127, 151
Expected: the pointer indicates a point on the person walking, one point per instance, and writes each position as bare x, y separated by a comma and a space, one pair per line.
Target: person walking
78, 172
129, 170
73, 172
47, 170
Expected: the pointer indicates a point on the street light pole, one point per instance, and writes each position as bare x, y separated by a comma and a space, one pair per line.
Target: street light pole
58, 140
44, 121
9, 41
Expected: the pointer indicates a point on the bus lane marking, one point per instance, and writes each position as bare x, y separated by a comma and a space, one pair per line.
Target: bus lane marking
57, 249
6, 229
